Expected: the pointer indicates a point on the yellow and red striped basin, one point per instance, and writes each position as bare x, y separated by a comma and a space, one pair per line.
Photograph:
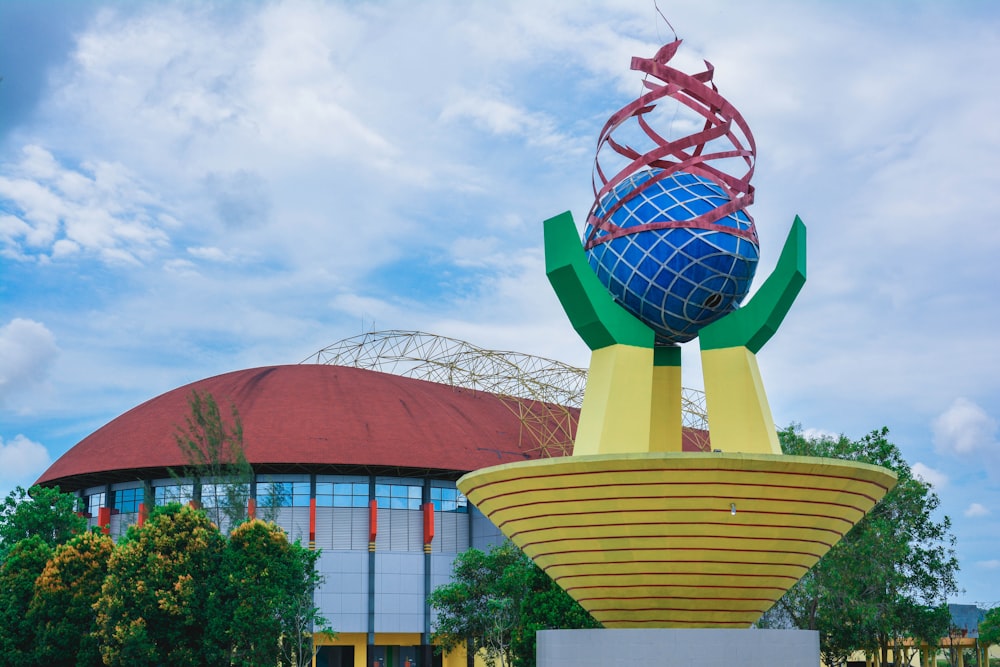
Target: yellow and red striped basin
652, 540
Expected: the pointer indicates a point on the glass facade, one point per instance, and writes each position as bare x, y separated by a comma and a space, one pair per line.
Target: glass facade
95, 501
448, 500
173, 493
400, 495
282, 494
127, 500
341, 521
342, 494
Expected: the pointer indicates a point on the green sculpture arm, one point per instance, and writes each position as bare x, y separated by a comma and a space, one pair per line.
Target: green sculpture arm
753, 325
598, 320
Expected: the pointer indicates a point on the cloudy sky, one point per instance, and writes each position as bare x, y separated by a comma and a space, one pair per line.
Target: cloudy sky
192, 188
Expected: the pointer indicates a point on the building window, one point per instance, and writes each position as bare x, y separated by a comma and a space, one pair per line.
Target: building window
282, 494
448, 500
224, 495
399, 496
127, 500
95, 501
174, 493
341, 494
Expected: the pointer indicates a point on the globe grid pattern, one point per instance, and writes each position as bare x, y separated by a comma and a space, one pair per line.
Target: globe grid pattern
680, 278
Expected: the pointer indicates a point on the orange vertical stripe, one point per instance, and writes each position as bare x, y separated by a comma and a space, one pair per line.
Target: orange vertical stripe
312, 520
428, 523
104, 519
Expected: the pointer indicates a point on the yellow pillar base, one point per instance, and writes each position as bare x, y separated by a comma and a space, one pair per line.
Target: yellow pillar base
739, 418
615, 417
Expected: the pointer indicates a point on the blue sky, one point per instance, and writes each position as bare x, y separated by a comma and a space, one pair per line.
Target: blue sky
192, 188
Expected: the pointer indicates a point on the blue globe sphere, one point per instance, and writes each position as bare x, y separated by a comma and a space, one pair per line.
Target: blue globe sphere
677, 279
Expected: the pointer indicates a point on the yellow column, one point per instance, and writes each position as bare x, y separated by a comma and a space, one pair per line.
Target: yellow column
615, 416
665, 433
961, 656
739, 417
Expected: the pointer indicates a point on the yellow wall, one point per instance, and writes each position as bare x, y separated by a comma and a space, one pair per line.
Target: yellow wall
359, 640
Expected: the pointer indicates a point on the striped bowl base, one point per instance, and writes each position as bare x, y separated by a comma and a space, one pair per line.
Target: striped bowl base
678, 540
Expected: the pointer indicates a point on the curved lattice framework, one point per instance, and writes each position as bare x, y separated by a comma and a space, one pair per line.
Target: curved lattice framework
544, 394
725, 140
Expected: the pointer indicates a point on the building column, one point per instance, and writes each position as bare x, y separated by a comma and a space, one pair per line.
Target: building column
372, 534
312, 512
425, 655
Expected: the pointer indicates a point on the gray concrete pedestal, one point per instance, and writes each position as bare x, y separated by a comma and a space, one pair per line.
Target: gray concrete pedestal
677, 648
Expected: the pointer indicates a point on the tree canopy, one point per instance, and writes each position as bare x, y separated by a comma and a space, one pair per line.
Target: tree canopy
62, 607
263, 606
154, 604
177, 592
989, 627
888, 579
41, 511
24, 562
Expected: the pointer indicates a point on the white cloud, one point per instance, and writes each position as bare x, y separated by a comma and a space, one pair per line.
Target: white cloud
992, 564
502, 117
59, 211
27, 349
965, 429
975, 509
935, 478
22, 460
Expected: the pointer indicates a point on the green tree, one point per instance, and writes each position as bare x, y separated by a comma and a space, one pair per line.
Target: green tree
62, 608
989, 627
495, 604
300, 617
216, 462
266, 600
546, 607
40, 511
887, 580
155, 601
24, 562
480, 607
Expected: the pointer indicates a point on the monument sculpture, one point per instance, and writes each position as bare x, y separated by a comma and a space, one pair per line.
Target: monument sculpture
642, 534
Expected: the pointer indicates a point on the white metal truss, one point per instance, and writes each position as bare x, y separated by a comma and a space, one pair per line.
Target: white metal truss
544, 394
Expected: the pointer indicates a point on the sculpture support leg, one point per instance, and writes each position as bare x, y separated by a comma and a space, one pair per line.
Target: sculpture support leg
739, 418
615, 417
665, 411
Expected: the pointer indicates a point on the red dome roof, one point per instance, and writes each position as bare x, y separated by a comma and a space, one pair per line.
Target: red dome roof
308, 415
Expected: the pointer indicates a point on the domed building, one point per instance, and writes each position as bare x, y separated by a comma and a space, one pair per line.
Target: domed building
356, 462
